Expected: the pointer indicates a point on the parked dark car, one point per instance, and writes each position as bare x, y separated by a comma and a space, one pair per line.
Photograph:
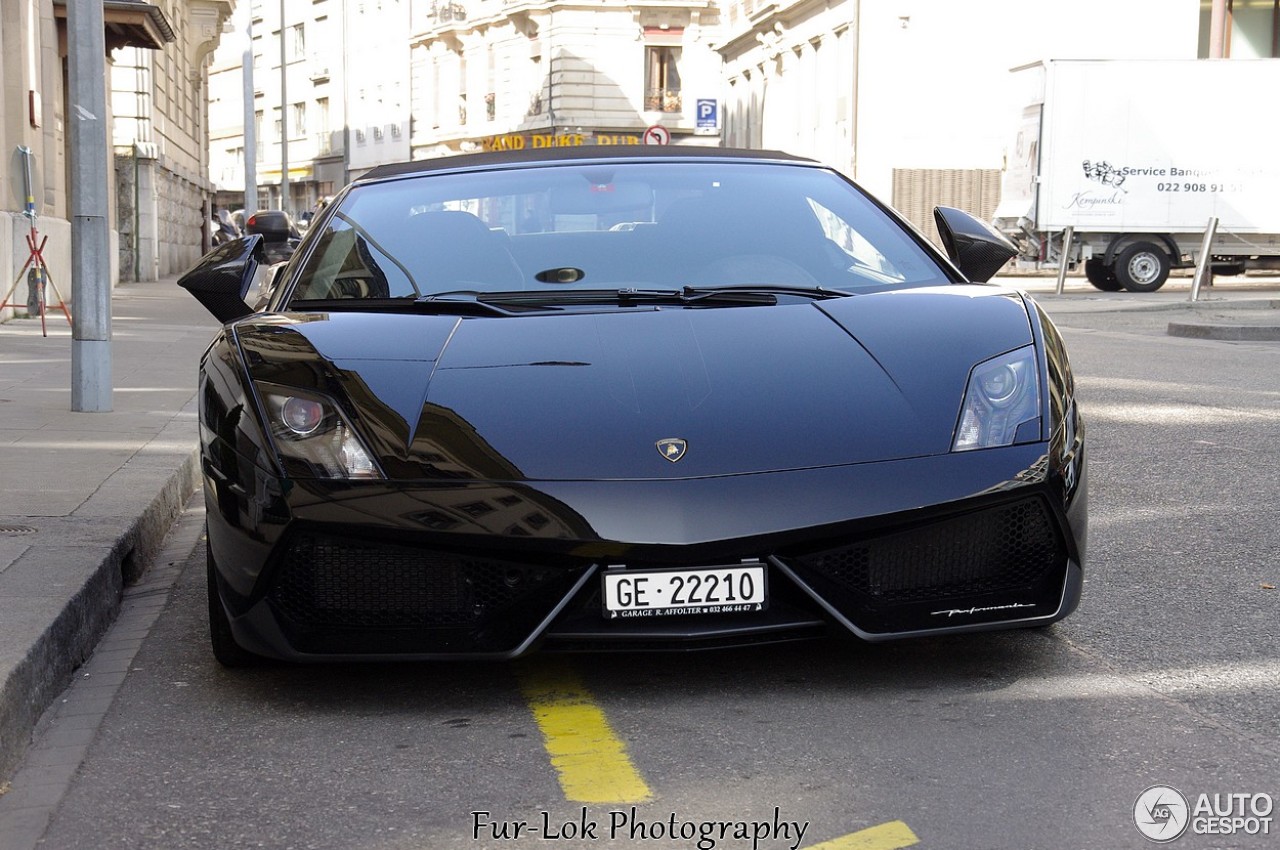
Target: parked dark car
617, 398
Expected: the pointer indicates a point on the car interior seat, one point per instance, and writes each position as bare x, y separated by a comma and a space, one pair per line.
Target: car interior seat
456, 250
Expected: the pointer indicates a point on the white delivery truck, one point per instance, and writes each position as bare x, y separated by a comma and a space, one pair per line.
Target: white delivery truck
1135, 158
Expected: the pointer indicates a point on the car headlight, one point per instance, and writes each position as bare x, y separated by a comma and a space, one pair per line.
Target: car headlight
1003, 395
312, 436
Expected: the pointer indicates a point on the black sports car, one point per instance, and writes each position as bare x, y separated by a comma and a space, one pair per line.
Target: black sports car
628, 398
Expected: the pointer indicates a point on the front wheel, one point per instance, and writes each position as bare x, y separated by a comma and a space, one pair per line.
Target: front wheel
1142, 267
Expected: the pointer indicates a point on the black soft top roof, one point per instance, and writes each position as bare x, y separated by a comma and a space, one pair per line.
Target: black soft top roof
492, 159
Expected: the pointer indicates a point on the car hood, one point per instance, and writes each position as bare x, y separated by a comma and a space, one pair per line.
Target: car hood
592, 396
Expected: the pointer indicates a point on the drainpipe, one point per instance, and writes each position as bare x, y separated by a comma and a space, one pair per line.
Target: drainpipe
284, 118
856, 104
137, 219
1218, 29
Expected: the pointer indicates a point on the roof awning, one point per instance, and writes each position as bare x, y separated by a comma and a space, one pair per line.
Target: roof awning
128, 23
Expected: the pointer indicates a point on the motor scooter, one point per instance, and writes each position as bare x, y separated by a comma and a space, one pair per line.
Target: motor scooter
222, 228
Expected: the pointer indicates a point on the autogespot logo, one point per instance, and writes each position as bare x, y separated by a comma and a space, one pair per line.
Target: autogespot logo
1161, 813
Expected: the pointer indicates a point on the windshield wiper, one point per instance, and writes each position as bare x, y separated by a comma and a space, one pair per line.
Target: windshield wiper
695, 293
469, 302
495, 303
686, 296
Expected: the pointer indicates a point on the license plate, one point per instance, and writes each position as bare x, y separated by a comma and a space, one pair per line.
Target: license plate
665, 593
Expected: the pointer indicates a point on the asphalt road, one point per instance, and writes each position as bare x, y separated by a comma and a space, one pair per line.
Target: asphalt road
1169, 674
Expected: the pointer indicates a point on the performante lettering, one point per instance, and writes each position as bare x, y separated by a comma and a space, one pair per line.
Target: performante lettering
951, 612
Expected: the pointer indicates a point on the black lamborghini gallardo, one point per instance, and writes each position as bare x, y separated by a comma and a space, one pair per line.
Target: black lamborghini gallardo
627, 398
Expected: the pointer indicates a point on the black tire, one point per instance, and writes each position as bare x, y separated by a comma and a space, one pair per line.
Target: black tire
1142, 267
225, 649
1101, 275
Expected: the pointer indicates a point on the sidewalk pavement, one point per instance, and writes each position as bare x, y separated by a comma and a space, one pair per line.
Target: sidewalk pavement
1237, 309
86, 498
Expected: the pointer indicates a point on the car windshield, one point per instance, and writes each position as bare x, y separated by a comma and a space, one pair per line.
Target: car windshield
608, 227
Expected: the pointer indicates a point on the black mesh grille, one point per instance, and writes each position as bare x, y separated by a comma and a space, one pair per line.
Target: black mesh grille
326, 582
1008, 549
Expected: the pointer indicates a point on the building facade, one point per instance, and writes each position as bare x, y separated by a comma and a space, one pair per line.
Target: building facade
913, 98
503, 74
32, 115
160, 139
377, 78
369, 82
297, 84
157, 128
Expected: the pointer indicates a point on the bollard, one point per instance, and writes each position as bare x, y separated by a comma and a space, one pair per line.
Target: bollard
1064, 256
1204, 264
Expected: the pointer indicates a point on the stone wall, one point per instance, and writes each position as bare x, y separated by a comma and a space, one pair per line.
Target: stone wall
181, 208
126, 201
167, 212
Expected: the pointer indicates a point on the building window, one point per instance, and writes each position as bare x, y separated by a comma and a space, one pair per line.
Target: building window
434, 89
297, 43
323, 138
662, 79
462, 90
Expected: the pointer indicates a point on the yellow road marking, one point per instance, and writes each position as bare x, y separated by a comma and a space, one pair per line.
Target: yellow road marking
589, 758
887, 836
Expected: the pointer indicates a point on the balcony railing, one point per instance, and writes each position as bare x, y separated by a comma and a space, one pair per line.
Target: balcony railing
328, 143
662, 100
446, 12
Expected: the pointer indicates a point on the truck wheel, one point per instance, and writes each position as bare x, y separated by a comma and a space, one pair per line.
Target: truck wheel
1101, 275
1142, 267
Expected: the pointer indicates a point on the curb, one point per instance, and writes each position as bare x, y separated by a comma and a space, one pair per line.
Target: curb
45, 668
1237, 333
1102, 304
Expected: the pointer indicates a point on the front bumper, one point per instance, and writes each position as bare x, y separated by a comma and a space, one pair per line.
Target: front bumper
881, 551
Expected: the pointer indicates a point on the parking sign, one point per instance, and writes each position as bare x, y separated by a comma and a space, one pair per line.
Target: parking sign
708, 115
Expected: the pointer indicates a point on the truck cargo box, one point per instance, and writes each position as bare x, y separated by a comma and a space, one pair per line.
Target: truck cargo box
1119, 149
